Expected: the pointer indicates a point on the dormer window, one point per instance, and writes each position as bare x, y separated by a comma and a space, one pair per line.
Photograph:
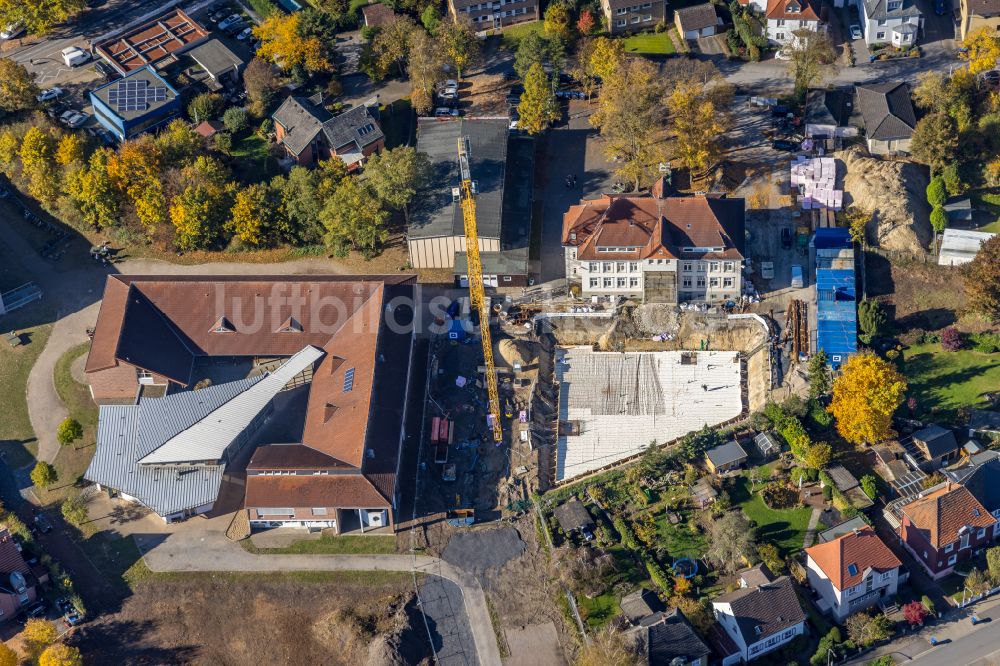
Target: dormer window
222, 325
290, 325
895, 6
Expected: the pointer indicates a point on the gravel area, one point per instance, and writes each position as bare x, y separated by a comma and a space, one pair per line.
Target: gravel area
479, 551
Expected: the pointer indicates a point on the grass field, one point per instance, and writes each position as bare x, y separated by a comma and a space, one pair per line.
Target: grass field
944, 382
651, 43
330, 545
513, 35
595, 612
253, 162
16, 433
989, 202
678, 539
785, 528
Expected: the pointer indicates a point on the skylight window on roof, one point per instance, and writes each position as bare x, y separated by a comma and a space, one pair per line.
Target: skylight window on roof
852, 569
222, 325
367, 129
348, 380
975, 511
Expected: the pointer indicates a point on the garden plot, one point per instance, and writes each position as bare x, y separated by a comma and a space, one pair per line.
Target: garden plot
612, 405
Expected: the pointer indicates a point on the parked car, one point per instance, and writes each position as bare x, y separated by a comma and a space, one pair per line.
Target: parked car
443, 111
219, 14
41, 521
12, 30
76, 119
783, 54
74, 56
105, 70
856, 32
448, 94
786, 238
784, 144
36, 609
65, 605
230, 21
245, 34
107, 138
72, 619
50, 94
587, 534
56, 110
450, 84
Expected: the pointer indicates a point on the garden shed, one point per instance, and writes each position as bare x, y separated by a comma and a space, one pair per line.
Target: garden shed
573, 515
726, 458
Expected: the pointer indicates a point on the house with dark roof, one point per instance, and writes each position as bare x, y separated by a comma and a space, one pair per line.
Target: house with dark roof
668, 639
888, 116
309, 133
696, 21
640, 604
852, 572
307, 376
573, 515
789, 22
984, 484
656, 247
896, 22
944, 525
828, 115
502, 167
377, 14
17, 583
218, 61
975, 15
938, 447
760, 618
725, 457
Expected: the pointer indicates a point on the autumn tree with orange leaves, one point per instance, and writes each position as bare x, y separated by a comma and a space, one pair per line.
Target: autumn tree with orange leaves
865, 395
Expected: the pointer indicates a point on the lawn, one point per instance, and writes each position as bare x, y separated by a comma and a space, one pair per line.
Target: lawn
651, 43
513, 35
252, 161
678, 539
16, 432
785, 528
595, 612
330, 545
399, 124
947, 381
990, 203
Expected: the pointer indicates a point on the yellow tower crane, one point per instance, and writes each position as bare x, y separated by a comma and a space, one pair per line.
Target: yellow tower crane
476, 291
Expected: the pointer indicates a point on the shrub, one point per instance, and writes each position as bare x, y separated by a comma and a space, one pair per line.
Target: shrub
819, 415
827, 493
939, 219
658, 576
69, 430
868, 485
986, 343
627, 535
235, 119
74, 510
937, 194
951, 339
914, 612
928, 604
777, 495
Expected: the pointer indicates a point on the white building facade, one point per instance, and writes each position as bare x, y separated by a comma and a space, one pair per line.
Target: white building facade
896, 22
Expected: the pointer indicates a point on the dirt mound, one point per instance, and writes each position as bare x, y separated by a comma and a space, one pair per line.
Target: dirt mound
482, 550
895, 193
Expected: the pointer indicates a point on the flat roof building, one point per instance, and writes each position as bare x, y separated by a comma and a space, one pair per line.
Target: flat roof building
960, 246
139, 102
155, 43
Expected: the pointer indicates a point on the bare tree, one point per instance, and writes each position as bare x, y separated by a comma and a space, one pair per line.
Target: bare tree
731, 541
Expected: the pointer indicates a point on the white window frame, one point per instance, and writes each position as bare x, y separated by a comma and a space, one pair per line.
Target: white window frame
952, 560
319, 511
950, 547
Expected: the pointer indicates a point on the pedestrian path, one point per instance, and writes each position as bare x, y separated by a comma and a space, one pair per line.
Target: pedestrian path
811, 529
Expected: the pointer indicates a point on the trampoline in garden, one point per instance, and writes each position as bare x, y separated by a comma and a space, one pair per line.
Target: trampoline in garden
686, 567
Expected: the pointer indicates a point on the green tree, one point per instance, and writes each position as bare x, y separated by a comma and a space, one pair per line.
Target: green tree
461, 47
939, 219
557, 21
178, 143
223, 142
205, 106
820, 380
818, 456
538, 108
68, 431
39, 16
390, 48
397, 176
811, 60
872, 319
771, 557
431, 18
17, 86
43, 474
937, 195
354, 219
532, 49
935, 141
869, 485
235, 119
74, 510
252, 218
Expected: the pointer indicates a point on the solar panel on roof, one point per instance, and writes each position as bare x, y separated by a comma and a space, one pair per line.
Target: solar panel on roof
348, 380
135, 95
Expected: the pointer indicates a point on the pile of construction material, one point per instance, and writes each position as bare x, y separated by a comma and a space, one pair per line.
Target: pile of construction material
816, 182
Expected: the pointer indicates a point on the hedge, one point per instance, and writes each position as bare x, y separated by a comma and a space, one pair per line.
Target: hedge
263, 8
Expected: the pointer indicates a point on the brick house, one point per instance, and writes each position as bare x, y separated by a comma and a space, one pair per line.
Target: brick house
659, 248
945, 525
852, 572
309, 133
488, 14
17, 584
630, 15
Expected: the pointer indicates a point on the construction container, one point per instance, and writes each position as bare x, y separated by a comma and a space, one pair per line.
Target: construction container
797, 282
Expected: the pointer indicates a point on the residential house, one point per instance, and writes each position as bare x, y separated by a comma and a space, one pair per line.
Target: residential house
828, 116
984, 484
630, 15
938, 446
573, 516
983, 422
696, 21
888, 117
789, 21
659, 248
943, 526
309, 133
489, 14
17, 583
502, 166
760, 618
896, 22
852, 572
974, 15
377, 14
308, 376
139, 102
725, 458
640, 604
668, 639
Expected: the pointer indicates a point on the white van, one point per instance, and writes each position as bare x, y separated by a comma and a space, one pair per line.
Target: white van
74, 55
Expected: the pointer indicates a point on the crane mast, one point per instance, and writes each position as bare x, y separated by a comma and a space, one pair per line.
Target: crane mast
477, 292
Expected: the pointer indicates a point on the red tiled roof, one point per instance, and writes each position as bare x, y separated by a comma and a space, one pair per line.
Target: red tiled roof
799, 10
345, 491
864, 549
941, 514
10, 557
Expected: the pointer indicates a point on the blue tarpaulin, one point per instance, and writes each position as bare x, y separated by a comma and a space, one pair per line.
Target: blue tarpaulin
836, 311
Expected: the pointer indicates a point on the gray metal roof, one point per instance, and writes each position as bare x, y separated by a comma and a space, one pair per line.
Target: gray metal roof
216, 58
887, 111
879, 9
507, 262
146, 80
726, 454
846, 527
440, 215
126, 433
